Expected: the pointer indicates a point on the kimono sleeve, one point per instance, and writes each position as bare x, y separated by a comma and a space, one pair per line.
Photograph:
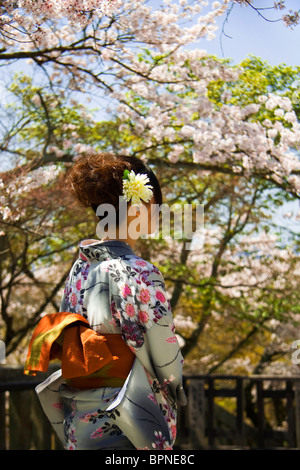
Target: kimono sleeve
144, 314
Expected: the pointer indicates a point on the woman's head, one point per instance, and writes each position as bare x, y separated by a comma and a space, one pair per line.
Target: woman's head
98, 179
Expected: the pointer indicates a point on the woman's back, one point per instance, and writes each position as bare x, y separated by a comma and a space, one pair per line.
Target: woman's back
120, 293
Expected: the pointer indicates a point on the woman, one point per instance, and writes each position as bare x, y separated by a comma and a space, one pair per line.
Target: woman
122, 298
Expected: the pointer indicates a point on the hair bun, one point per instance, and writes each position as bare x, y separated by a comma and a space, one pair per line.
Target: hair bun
98, 179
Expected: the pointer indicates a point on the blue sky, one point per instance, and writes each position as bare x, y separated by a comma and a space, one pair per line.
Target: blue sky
251, 34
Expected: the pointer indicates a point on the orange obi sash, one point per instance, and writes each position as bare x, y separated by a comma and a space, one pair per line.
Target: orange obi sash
88, 359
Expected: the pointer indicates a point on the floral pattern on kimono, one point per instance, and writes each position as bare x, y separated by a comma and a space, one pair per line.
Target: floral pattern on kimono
120, 293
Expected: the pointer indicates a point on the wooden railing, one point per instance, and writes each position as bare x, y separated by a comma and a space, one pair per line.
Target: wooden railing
242, 412
23, 424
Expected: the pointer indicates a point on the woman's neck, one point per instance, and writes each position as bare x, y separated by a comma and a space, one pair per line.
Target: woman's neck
130, 241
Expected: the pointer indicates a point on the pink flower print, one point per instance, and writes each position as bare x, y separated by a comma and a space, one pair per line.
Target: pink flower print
113, 322
116, 316
172, 339
145, 295
143, 316
125, 290
58, 405
88, 417
73, 406
72, 441
97, 433
129, 309
160, 296
73, 299
151, 396
85, 271
113, 308
140, 262
174, 431
78, 284
160, 443
70, 447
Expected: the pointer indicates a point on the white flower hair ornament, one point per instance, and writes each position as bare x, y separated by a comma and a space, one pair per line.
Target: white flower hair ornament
136, 188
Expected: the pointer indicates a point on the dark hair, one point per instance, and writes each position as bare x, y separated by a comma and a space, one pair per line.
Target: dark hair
98, 179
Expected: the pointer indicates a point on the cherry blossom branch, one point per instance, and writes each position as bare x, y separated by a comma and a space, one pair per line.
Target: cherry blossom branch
242, 343
291, 19
263, 174
258, 11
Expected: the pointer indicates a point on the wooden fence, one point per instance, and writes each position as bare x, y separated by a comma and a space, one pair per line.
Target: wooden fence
240, 412
223, 412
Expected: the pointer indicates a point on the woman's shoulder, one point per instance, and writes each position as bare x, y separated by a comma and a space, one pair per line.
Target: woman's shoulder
134, 268
140, 265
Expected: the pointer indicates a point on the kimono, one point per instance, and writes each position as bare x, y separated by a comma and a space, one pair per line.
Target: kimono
117, 293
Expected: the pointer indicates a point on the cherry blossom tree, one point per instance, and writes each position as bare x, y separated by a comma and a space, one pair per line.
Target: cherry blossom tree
139, 53
213, 135
289, 17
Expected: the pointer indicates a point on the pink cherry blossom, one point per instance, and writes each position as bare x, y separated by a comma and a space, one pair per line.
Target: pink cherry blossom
140, 262
125, 290
160, 296
143, 316
73, 299
129, 310
144, 295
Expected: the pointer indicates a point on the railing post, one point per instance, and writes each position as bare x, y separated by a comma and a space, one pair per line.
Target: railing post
20, 422
2, 422
196, 411
240, 411
297, 412
290, 413
210, 415
260, 413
